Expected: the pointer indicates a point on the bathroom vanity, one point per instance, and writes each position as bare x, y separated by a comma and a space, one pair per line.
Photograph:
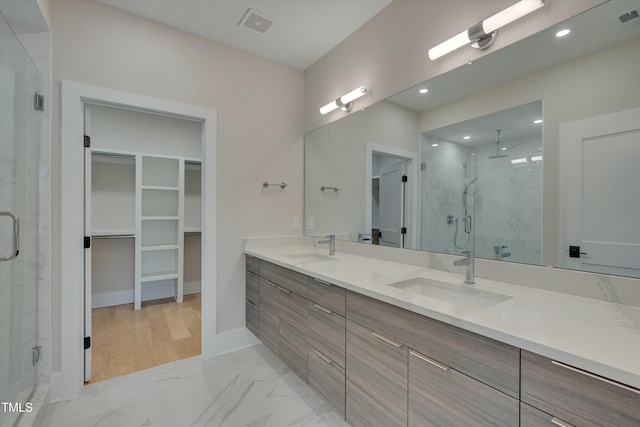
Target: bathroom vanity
389, 344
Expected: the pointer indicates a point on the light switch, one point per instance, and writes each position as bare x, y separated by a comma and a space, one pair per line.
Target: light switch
295, 223
309, 223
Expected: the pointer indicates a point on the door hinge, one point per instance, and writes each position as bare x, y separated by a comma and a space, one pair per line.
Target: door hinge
37, 353
87, 242
38, 102
404, 178
87, 343
87, 141
403, 230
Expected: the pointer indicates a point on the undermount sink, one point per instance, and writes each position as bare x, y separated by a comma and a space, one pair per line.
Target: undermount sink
466, 296
310, 257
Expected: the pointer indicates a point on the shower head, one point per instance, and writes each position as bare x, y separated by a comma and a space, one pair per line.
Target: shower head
466, 190
498, 155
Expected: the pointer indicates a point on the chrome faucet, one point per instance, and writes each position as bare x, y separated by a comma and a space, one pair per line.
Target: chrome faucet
468, 261
332, 243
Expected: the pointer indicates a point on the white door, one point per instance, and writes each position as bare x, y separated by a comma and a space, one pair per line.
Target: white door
392, 204
603, 193
87, 251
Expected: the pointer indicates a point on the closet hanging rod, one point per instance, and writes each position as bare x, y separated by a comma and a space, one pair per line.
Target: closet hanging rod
281, 185
336, 189
115, 236
192, 233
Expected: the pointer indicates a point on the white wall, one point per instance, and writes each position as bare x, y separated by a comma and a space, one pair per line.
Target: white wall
389, 53
570, 91
260, 124
336, 156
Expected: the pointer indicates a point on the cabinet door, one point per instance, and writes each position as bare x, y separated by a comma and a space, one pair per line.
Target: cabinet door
532, 417
440, 396
270, 315
327, 332
376, 379
288, 279
327, 295
253, 288
575, 396
253, 318
293, 332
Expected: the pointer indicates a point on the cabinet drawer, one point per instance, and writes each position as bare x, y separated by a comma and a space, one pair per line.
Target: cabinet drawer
293, 332
327, 332
253, 288
286, 278
270, 315
253, 318
575, 396
441, 396
487, 360
327, 295
376, 375
253, 264
327, 378
532, 417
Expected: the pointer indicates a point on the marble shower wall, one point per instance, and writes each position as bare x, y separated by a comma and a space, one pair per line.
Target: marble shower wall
508, 200
445, 171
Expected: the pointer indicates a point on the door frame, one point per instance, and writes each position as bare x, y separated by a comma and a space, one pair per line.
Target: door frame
69, 382
411, 204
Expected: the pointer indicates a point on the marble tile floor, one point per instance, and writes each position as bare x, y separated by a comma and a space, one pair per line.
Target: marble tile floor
250, 387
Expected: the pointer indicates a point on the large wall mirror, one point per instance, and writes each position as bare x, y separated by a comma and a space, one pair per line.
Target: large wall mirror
529, 154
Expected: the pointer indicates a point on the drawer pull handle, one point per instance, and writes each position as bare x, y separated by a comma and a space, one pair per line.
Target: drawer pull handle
428, 360
323, 282
323, 357
250, 273
252, 304
319, 307
559, 422
286, 291
597, 377
272, 284
387, 340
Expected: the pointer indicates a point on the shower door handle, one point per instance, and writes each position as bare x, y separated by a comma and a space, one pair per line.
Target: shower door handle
16, 236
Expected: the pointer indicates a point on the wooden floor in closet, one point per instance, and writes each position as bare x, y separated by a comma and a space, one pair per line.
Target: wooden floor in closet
126, 340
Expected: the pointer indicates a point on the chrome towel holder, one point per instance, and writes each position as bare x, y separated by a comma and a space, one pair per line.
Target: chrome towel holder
267, 184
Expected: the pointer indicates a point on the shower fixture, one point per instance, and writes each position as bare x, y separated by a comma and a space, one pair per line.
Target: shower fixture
467, 218
498, 155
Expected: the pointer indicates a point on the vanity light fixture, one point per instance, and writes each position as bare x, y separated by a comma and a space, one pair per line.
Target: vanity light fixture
563, 33
483, 34
516, 161
536, 158
345, 101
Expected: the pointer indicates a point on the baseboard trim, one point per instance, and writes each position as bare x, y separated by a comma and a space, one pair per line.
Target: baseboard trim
163, 289
237, 339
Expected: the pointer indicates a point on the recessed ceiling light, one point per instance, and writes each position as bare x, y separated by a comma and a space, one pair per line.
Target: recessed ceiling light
516, 161
467, 137
563, 33
537, 121
504, 148
434, 145
423, 90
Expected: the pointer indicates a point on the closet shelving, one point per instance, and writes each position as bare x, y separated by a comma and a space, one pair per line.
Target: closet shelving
151, 210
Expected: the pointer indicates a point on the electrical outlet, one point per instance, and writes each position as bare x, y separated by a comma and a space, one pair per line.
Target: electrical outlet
295, 223
309, 223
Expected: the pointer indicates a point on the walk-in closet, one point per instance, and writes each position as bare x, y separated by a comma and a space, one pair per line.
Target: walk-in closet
143, 205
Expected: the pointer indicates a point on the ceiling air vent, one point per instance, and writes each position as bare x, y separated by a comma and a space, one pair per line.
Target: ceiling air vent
255, 20
630, 19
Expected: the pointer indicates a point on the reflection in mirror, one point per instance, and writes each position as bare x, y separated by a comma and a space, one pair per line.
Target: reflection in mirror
587, 79
484, 175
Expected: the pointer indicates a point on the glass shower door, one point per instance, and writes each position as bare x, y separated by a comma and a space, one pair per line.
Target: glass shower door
19, 138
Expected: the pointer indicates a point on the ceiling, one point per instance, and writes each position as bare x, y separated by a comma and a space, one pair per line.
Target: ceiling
302, 32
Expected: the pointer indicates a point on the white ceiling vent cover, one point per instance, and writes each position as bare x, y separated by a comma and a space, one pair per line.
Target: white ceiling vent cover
630, 19
255, 20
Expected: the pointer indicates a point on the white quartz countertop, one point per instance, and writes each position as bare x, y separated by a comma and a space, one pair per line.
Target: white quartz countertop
597, 336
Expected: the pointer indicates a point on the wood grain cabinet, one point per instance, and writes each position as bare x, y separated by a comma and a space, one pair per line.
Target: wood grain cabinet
270, 315
532, 417
376, 379
575, 396
327, 332
293, 331
327, 378
253, 295
288, 279
440, 396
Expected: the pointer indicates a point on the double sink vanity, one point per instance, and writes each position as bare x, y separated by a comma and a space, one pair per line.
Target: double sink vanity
390, 344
